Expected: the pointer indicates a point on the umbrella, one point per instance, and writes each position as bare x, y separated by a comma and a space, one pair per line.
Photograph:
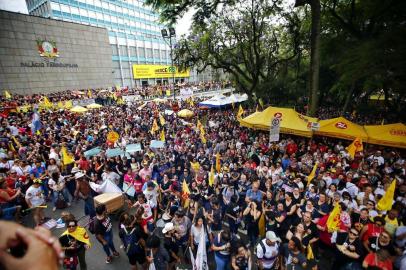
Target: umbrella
94, 106
185, 113
78, 109
158, 100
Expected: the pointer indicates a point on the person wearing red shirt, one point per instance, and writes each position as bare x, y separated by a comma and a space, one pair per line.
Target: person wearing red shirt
84, 164
291, 147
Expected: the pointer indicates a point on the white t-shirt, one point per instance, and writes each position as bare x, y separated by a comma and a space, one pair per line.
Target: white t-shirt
196, 233
57, 187
151, 197
35, 196
271, 254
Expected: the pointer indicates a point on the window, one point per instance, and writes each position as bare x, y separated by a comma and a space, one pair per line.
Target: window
114, 50
133, 51
149, 53
123, 51
55, 6
156, 53
83, 12
141, 52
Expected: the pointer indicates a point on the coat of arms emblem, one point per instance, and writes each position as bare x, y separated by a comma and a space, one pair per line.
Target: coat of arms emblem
47, 49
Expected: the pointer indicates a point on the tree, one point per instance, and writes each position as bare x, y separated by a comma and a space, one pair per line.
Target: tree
314, 54
245, 42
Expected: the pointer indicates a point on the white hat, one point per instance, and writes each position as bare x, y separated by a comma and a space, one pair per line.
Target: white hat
79, 175
75, 170
168, 227
271, 236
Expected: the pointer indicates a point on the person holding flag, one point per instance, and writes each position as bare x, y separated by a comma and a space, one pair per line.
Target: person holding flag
74, 241
355, 147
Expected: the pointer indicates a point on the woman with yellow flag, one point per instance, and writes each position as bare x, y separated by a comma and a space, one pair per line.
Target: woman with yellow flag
74, 241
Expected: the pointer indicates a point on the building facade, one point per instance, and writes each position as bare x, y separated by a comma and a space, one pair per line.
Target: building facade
133, 29
39, 55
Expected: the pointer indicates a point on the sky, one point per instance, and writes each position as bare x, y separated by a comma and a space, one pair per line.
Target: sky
14, 5
182, 26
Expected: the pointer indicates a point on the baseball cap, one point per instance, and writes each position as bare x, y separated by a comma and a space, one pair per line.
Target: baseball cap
271, 236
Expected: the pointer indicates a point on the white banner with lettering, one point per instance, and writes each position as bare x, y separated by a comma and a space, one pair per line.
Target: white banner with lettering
274, 130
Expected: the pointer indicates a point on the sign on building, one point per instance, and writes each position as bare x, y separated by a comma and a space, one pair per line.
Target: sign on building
158, 71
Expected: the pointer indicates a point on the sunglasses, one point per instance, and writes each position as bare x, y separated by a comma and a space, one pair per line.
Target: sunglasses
71, 226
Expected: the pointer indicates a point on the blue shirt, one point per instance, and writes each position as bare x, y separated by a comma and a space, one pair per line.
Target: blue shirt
254, 195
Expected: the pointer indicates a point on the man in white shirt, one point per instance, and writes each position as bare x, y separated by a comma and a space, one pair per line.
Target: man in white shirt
268, 251
35, 198
378, 158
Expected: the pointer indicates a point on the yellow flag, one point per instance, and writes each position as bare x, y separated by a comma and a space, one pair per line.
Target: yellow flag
59, 105
66, 157
161, 120
185, 194
386, 202
154, 127
16, 141
240, 111
355, 146
168, 92
68, 104
312, 173
203, 138
191, 103
11, 147
79, 234
310, 255
38, 132
89, 93
333, 221
162, 135
7, 94
211, 176
46, 103
256, 109
218, 165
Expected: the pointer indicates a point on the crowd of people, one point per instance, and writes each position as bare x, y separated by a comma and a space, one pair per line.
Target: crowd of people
249, 200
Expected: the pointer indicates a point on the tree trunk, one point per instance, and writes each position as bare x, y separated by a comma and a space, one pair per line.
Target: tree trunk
347, 100
315, 57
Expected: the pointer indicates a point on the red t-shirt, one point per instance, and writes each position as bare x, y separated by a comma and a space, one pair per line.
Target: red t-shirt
371, 260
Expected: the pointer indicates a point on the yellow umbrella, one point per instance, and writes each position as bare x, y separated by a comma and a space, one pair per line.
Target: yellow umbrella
94, 106
159, 100
185, 113
78, 109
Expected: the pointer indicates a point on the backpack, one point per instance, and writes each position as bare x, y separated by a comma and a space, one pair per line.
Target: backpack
131, 243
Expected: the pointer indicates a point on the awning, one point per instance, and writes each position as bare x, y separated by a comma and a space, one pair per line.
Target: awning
393, 135
341, 128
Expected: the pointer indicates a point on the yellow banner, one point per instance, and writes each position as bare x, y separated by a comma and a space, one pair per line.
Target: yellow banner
157, 71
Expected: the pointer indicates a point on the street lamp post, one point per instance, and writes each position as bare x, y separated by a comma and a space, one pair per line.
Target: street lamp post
169, 36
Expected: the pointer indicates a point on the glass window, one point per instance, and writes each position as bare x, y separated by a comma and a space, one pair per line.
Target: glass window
114, 49
83, 12
156, 53
55, 6
92, 14
119, 9
105, 5
106, 17
113, 19
97, 3
99, 16
123, 51
133, 51
141, 52
64, 8
149, 53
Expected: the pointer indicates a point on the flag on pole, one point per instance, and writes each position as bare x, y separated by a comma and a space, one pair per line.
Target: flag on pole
211, 176
46, 103
218, 164
333, 221
161, 120
154, 127
386, 202
185, 194
240, 111
354, 147
201, 255
7, 94
162, 135
66, 157
312, 173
